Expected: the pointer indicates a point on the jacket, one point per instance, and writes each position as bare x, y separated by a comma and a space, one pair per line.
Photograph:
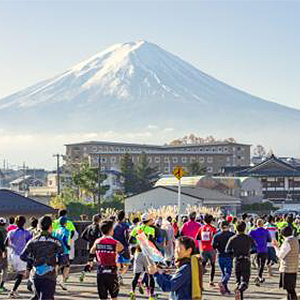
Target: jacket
41, 253
180, 284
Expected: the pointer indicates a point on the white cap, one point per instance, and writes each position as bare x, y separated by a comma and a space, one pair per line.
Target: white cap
145, 217
2, 221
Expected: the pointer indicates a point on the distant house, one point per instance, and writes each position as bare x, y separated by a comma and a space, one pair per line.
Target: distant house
24, 183
13, 204
280, 178
165, 196
247, 189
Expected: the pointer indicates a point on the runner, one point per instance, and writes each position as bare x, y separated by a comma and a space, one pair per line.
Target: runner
272, 228
240, 247
261, 237
224, 259
3, 255
17, 240
106, 249
288, 254
121, 234
205, 235
12, 225
63, 235
191, 228
91, 234
42, 254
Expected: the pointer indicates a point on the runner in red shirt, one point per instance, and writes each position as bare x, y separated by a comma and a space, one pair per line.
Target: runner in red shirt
205, 235
106, 249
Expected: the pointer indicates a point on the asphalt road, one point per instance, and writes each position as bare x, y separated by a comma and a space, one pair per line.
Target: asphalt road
88, 289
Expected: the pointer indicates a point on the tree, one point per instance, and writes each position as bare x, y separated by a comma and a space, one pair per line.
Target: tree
196, 169
86, 180
192, 139
129, 174
260, 151
146, 175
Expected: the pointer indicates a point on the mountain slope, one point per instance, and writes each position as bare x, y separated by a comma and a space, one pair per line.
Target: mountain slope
129, 86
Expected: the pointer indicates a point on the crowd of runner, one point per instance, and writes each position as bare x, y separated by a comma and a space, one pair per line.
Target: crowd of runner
189, 245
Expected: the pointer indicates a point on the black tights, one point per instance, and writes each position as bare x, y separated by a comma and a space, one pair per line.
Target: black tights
291, 294
149, 281
261, 261
213, 269
17, 282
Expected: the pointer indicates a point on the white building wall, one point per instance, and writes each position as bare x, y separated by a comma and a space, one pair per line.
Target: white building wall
157, 198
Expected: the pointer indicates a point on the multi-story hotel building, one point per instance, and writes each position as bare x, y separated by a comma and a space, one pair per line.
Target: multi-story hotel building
213, 156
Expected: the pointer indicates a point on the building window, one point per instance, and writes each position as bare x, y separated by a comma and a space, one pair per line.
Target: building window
192, 159
210, 160
113, 159
167, 159
167, 170
202, 159
150, 159
184, 160
213, 149
94, 149
102, 168
207, 149
225, 149
117, 149
220, 149
201, 149
175, 160
123, 149
157, 159
103, 159
209, 169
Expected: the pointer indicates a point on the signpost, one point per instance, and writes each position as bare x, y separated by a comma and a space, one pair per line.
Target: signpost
178, 173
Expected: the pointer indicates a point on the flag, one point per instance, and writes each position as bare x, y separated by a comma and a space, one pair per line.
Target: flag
148, 248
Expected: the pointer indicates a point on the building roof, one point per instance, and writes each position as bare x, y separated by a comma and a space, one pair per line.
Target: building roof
173, 181
154, 146
273, 166
14, 203
208, 196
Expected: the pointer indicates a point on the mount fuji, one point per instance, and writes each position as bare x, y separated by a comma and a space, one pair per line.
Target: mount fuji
131, 85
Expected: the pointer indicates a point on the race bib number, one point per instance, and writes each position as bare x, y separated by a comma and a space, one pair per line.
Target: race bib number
205, 236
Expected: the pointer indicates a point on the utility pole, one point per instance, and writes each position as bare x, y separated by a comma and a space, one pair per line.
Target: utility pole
57, 173
99, 183
24, 177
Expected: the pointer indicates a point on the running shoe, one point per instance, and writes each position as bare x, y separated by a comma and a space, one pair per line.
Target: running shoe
141, 290
81, 276
222, 288
238, 295
257, 281
212, 284
63, 286
3, 290
13, 295
132, 295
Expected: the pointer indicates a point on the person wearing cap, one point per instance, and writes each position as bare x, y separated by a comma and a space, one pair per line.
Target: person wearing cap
3, 255
140, 262
229, 219
63, 234
145, 227
220, 241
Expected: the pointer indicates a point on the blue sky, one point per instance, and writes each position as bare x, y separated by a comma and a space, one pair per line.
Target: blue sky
252, 45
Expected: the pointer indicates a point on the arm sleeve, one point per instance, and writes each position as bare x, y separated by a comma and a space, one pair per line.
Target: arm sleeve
170, 284
26, 255
228, 248
215, 242
283, 251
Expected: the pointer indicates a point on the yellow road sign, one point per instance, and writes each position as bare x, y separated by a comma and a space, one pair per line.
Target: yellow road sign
178, 172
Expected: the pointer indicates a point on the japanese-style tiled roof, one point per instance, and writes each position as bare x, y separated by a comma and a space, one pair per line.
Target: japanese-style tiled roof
14, 203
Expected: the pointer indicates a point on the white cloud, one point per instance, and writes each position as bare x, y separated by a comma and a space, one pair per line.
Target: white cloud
36, 150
